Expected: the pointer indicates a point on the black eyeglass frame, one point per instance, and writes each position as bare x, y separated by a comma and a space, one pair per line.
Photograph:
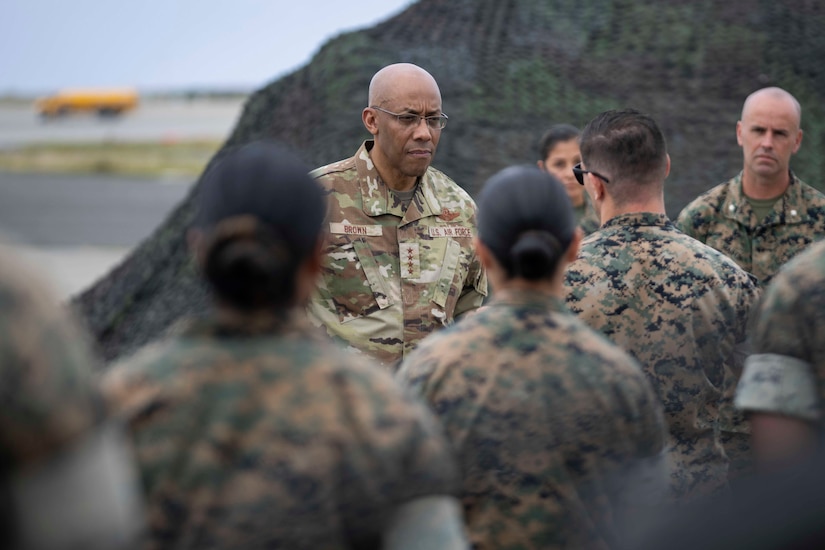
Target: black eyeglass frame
579, 173
440, 120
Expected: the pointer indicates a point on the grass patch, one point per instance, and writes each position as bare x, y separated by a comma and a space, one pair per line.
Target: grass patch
151, 159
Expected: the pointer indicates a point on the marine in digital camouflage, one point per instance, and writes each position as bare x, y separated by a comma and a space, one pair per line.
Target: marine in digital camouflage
681, 309
586, 216
723, 219
551, 424
786, 374
50, 399
267, 436
392, 276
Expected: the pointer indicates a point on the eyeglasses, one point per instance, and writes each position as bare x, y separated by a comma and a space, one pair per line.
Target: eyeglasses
411, 120
579, 173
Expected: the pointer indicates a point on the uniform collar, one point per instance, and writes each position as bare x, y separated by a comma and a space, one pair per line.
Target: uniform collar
638, 219
787, 209
375, 194
528, 299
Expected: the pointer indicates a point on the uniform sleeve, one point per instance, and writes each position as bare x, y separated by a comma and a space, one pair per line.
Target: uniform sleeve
49, 397
690, 220
779, 376
475, 288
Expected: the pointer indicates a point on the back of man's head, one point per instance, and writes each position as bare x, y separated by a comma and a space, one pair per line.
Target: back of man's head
628, 148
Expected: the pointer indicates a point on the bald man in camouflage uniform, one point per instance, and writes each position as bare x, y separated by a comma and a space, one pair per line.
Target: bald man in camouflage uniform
678, 306
67, 476
398, 260
765, 215
783, 386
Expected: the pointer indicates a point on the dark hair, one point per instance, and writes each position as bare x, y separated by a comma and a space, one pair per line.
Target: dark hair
262, 214
526, 220
627, 146
556, 134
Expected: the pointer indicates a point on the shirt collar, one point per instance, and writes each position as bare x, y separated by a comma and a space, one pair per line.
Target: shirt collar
736, 206
529, 299
639, 219
375, 194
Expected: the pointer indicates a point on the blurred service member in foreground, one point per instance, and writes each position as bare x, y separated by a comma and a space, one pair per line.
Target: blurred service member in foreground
678, 306
558, 433
783, 386
252, 430
68, 477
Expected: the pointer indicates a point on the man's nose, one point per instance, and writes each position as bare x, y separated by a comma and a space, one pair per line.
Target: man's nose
422, 130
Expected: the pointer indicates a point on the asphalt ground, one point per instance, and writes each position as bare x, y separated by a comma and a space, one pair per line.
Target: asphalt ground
74, 228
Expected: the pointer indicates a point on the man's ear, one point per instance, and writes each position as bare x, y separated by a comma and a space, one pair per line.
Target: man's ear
739, 133
798, 141
598, 187
370, 121
540, 164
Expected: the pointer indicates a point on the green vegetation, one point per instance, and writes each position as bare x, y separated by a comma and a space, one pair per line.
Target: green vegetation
151, 159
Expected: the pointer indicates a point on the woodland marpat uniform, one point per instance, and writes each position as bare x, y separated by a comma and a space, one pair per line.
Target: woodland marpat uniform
547, 419
391, 277
269, 437
723, 219
786, 374
50, 399
681, 309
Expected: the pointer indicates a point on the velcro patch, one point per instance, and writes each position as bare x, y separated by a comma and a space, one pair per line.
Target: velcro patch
455, 231
409, 260
349, 229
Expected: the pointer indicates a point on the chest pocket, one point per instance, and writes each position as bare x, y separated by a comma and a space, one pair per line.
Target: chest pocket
451, 277
354, 285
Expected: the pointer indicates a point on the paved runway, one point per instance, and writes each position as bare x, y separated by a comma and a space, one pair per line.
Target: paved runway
152, 120
75, 228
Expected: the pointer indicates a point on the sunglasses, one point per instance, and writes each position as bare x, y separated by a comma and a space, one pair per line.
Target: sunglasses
579, 173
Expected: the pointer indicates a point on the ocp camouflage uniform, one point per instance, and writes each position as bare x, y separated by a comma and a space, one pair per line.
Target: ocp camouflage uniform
50, 401
681, 309
723, 219
786, 374
548, 420
391, 277
267, 436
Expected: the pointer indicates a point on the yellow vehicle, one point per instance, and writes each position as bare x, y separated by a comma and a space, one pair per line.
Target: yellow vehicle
103, 101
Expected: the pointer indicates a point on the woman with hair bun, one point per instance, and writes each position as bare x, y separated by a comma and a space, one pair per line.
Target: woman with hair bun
558, 433
251, 430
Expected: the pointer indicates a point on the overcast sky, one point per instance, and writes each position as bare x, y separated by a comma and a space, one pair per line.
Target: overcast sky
169, 44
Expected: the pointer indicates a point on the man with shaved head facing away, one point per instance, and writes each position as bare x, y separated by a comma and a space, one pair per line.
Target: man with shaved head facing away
398, 260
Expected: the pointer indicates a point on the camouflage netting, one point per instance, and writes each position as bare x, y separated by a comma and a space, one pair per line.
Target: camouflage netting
507, 69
